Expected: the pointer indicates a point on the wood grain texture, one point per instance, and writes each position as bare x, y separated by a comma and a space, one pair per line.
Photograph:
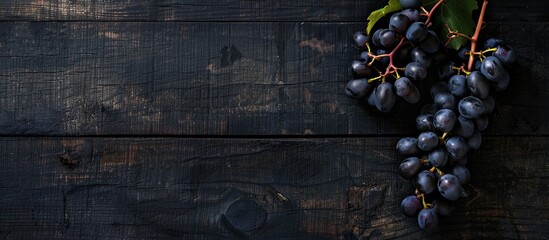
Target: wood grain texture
230, 10
331, 188
220, 79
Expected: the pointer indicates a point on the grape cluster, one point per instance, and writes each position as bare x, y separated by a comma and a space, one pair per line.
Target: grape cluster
451, 125
406, 47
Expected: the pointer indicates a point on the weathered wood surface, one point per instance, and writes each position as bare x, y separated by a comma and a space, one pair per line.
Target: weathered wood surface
230, 10
324, 188
196, 78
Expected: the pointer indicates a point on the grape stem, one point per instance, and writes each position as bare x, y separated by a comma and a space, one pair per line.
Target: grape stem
474, 38
430, 14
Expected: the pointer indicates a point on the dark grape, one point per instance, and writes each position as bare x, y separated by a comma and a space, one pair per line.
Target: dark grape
471, 107
357, 88
427, 141
457, 147
464, 127
463, 53
449, 187
477, 85
462, 173
417, 32
385, 97
364, 55
427, 219
410, 3
399, 23
425, 182
376, 35
492, 43
429, 108
505, 54
475, 141
415, 71
407, 146
444, 120
492, 69
445, 100
445, 71
431, 43
438, 88
481, 123
388, 39
457, 85
360, 40
410, 167
411, 206
420, 56
438, 157
383, 60
372, 98
359, 68
406, 90
443, 207
412, 14
424, 122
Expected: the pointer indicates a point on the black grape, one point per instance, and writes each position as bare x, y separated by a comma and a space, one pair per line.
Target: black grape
359, 68
424, 122
425, 182
406, 90
427, 141
417, 32
438, 88
449, 187
471, 107
385, 97
372, 98
357, 88
376, 35
444, 120
445, 100
489, 104
462, 173
457, 85
492, 43
445, 71
364, 55
411, 206
443, 207
464, 127
505, 54
399, 23
415, 71
409, 167
388, 39
438, 157
457, 147
475, 141
420, 56
492, 68
427, 219
463, 53
431, 43
360, 40
410, 3
407, 146
412, 14
477, 85
481, 122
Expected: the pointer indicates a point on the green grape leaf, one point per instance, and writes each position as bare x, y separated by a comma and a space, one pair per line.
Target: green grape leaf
392, 6
458, 15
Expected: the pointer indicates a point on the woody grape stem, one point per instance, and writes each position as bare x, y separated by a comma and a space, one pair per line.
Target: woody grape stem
474, 39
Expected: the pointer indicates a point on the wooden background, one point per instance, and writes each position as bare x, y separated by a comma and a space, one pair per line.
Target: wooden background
208, 119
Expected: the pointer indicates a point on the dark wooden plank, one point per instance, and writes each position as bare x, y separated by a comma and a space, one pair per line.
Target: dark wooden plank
230, 10
220, 79
100, 188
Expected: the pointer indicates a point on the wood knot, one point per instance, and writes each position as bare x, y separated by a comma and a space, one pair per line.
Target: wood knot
244, 215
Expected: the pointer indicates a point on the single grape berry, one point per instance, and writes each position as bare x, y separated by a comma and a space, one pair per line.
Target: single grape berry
464, 127
477, 85
411, 206
427, 219
457, 85
360, 40
388, 39
416, 32
492, 43
357, 88
385, 97
462, 173
492, 69
398, 23
457, 147
425, 182
444, 120
407, 90
449, 187
505, 54
410, 167
471, 107
410, 3
427, 141
407, 146
415, 71
430, 44
438, 157
445, 100
412, 14
424, 122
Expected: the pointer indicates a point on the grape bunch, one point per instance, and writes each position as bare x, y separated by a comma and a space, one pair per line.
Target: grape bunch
462, 84
450, 127
394, 60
